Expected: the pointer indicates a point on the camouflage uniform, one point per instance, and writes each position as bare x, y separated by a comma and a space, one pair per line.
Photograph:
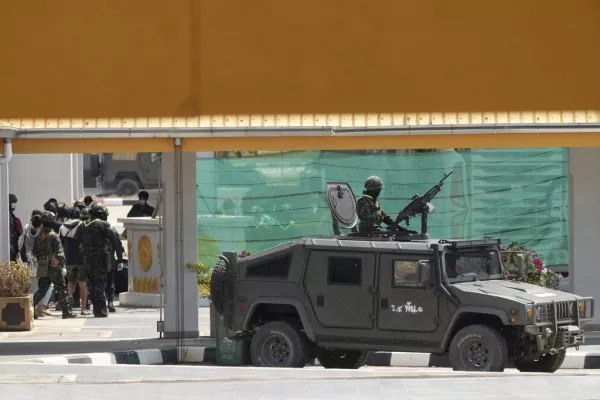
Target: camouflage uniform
48, 250
113, 247
93, 236
368, 210
371, 215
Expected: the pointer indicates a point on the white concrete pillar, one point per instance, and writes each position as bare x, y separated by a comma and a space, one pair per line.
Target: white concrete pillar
34, 178
584, 223
76, 176
180, 283
4, 211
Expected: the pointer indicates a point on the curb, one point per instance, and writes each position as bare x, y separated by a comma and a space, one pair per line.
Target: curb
162, 356
198, 354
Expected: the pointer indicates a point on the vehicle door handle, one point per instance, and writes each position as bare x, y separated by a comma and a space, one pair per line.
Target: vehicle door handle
384, 304
320, 300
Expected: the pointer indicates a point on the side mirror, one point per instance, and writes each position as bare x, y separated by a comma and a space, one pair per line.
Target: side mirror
520, 263
424, 269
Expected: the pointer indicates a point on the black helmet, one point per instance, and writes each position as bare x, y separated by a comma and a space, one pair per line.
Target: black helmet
96, 209
373, 183
79, 205
48, 218
12, 198
74, 213
51, 207
104, 214
36, 212
85, 214
62, 210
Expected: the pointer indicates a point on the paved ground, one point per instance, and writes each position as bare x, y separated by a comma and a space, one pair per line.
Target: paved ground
127, 329
195, 382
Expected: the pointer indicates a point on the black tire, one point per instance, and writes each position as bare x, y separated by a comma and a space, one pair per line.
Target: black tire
217, 286
546, 363
478, 348
343, 359
127, 187
279, 345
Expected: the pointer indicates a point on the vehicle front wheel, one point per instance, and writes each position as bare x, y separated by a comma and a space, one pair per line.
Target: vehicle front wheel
478, 348
342, 359
547, 363
279, 344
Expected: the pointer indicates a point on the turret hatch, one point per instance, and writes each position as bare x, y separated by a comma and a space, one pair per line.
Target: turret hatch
342, 203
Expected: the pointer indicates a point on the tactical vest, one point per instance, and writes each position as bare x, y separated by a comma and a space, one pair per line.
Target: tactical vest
43, 255
377, 206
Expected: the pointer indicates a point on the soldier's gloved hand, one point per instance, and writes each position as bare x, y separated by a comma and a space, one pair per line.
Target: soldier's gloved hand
63, 271
120, 266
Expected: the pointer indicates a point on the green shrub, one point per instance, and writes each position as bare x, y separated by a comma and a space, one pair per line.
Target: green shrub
15, 279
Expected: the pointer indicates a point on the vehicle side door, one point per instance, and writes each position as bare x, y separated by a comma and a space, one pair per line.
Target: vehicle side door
404, 304
340, 288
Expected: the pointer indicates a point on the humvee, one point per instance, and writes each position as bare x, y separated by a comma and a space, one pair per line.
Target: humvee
338, 298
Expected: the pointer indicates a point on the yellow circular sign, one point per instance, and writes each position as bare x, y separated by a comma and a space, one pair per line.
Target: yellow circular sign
145, 253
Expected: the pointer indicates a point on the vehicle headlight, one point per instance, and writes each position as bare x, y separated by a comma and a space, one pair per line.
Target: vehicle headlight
538, 313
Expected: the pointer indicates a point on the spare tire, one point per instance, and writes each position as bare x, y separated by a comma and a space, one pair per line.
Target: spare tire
217, 286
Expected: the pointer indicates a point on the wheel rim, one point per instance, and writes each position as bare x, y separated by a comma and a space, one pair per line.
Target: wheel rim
278, 350
476, 354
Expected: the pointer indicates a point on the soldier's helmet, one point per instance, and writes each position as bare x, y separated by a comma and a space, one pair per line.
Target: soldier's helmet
48, 218
96, 208
79, 205
373, 183
51, 207
74, 213
85, 214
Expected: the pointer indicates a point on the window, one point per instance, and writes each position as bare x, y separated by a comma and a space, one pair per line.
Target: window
344, 271
480, 266
406, 273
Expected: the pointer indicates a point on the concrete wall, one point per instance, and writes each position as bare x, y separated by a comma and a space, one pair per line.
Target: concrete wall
36, 178
584, 208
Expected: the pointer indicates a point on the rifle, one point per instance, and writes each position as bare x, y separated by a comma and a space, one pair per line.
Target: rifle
420, 205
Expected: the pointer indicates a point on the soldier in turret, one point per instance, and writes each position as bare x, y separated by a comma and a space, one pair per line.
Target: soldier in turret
370, 213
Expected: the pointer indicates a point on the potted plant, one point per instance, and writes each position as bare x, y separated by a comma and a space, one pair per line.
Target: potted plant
16, 300
533, 272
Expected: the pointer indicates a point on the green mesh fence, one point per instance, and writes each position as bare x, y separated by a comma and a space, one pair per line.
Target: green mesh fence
256, 202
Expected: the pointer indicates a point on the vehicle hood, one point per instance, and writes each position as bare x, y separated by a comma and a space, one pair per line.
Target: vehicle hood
511, 290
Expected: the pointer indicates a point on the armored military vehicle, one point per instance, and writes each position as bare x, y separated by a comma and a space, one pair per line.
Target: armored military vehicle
338, 298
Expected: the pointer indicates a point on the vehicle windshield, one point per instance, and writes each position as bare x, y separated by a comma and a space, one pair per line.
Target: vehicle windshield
473, 266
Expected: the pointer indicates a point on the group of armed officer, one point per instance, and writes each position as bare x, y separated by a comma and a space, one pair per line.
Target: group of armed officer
80, 242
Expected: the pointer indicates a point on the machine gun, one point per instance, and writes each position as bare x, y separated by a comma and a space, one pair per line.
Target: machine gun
421, 205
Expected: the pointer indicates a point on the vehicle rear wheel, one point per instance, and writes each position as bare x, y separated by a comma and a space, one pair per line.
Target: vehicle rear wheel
546, 363
478, 348
279, 344
343, 359
127, 187
217, 286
